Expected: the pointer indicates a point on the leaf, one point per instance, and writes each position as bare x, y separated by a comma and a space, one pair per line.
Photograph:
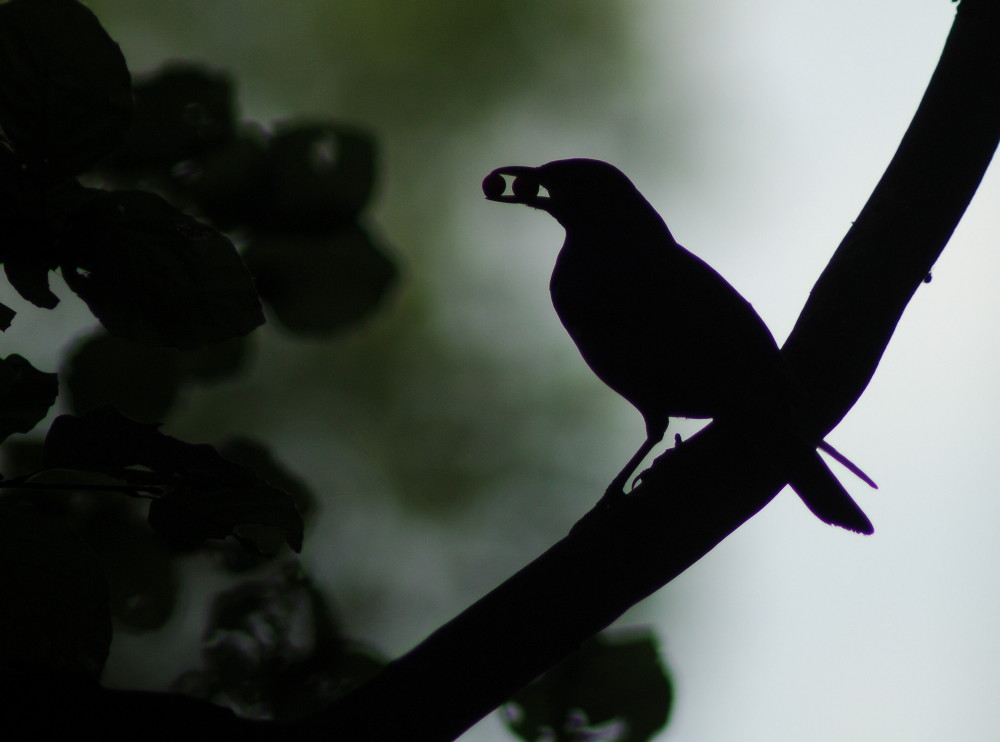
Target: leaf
181, 111
151, 273
30, 278
65, 91
141, 573
187, 517
268, 540
55, 615
322, 175
6, 317
259, 457
30, 219
614, 684
214, 363
104, 440
320, 285
26, 394
21, 456
206, 496
138, 379
141, 380
271, 648
229, 183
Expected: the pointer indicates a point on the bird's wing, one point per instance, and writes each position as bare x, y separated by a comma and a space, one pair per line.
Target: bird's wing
731, 347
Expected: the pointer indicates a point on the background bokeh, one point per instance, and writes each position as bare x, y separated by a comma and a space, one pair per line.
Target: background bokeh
457, 434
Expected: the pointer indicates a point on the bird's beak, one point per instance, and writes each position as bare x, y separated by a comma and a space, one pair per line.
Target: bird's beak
524, 187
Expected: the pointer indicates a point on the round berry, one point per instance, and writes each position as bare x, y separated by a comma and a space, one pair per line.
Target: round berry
494, 185
525, 186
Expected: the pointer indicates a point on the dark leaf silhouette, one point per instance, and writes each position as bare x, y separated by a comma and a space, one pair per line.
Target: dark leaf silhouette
257, 456
614, 688
272, 649
6, 316
229, 183
142, 380
152, 273
202, 494
320, 284
215, 363
30, 278
141, 573
252, 453
188, 516
55, 615
90, 520
65, 92
139, 379
321, 175
181, 111
26, 394
31, 215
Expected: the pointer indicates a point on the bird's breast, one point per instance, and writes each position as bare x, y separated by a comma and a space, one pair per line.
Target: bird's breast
664, 330
629, 328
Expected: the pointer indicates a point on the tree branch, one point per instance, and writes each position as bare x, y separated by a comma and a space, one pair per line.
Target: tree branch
698, 494
854, 307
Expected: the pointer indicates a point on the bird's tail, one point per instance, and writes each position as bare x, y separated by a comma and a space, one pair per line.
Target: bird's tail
847, 464
810, 477
825, 496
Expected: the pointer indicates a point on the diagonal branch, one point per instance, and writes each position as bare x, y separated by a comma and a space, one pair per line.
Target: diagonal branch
854, 307
697, 495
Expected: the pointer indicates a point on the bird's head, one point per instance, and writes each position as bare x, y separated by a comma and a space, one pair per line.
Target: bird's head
572, 191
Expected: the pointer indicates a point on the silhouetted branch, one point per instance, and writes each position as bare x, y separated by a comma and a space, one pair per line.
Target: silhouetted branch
852, 312
133, 490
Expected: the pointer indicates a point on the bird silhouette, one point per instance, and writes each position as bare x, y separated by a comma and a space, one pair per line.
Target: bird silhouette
666, 331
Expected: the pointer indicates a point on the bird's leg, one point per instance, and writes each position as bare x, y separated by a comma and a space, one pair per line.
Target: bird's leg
847, 463
677, 445
616, 489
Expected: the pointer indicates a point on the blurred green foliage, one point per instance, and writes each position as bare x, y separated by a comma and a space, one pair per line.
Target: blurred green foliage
81, 180
614, 689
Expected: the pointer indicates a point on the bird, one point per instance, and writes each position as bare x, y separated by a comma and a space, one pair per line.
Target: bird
666, 331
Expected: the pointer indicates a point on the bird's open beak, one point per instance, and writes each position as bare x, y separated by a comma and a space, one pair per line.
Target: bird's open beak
523, 188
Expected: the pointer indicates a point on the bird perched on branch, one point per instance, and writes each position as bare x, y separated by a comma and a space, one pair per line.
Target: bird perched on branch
663, 329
